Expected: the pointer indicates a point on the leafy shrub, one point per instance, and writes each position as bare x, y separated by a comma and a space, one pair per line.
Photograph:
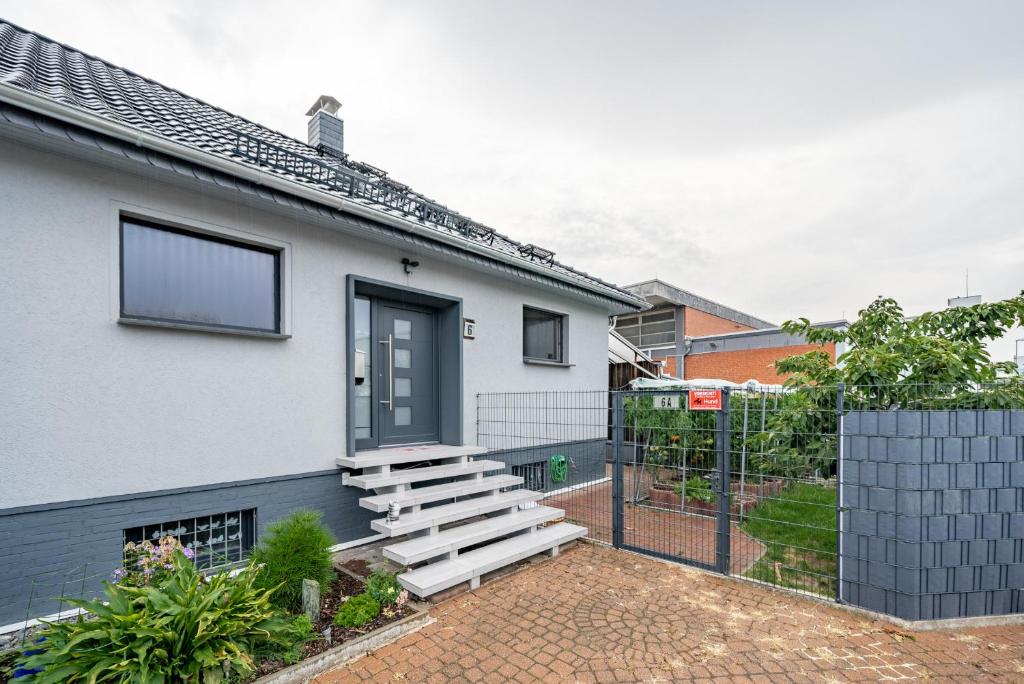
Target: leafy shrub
184, 628
289, 650
147, 564
698, 489
357, 611
294, 549
383, 587
8, 663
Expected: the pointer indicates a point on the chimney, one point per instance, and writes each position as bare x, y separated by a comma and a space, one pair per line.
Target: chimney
326, 130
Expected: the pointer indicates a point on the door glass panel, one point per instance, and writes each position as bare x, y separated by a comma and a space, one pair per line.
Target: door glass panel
403, 329
403, 387
403, 415
403, 358
361, 319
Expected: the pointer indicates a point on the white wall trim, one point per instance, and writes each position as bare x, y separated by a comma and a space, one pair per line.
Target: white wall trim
53, 617
355, 542
573, 488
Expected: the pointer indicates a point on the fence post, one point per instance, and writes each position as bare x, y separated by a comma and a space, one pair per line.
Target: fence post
840, 395
722, 548
618, 420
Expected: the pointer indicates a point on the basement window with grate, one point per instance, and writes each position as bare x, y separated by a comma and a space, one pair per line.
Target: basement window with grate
217, 540
534, 475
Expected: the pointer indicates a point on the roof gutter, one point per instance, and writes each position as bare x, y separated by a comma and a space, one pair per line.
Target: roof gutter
93, 122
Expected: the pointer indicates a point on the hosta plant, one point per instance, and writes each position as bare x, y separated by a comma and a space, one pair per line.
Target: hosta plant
185, 628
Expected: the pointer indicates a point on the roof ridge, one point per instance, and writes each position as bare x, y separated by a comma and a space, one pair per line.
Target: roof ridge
152, 81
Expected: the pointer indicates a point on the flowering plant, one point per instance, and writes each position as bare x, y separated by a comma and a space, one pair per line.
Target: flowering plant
146, 563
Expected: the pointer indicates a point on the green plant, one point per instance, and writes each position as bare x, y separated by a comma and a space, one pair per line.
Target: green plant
357, 611
187, 628
8, 662
295, 548
698, 489
798, 530
383, 587
147, 563
289, 649
934, 360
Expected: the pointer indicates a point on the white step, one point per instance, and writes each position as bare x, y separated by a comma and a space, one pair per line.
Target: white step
469, 566
454, 538
407, 454
460, 510
448, 490
410, 475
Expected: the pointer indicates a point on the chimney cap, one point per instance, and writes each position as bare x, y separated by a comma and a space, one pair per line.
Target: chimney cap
325, 103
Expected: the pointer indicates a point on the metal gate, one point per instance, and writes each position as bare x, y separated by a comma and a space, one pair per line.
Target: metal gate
739, 481
671, 477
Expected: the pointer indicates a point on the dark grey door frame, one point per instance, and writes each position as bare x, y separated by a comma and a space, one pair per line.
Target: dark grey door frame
449, 345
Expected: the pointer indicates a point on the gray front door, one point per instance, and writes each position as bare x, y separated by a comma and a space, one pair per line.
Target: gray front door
407, 377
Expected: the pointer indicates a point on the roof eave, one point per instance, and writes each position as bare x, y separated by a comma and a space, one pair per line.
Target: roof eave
93, 122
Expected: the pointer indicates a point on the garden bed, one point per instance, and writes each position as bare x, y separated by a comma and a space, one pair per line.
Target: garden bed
664, 495
344, 587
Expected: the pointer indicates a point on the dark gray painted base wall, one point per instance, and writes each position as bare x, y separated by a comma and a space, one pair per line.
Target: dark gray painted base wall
75, 545
55, 546
934, 519
585, 461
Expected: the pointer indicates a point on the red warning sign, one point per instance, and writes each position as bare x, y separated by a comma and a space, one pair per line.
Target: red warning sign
705, 400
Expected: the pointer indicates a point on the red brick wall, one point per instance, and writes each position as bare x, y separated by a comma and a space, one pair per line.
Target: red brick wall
698, 323
671, 366
746, 364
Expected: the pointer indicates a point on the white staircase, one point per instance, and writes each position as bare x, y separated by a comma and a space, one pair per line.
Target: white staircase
461, 528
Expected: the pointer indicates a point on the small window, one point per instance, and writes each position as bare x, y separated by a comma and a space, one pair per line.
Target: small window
219, 539
534, 475
174, 276
543, 335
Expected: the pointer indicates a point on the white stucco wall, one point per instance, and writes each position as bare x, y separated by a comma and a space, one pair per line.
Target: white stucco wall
91, 408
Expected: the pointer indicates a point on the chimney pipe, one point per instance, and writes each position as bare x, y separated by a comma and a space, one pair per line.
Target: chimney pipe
326, 129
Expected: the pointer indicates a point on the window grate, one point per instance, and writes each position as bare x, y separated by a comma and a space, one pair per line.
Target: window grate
218, 539
534, 475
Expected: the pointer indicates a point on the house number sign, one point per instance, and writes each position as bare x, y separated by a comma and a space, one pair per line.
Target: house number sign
469, 328
666, 401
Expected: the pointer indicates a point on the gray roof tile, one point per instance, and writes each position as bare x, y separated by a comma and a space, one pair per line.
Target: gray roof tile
60, 73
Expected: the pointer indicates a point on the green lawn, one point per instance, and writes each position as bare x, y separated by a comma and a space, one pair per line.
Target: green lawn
798, 527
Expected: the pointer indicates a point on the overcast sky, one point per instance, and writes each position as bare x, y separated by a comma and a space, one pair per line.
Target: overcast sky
787, 159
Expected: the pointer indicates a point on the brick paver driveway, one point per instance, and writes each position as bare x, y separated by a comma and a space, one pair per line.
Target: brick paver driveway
599, 615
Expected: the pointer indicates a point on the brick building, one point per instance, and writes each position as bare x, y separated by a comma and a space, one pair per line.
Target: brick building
695, 337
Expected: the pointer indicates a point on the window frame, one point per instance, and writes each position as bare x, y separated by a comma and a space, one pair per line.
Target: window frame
232, 238
248, 531
563, 321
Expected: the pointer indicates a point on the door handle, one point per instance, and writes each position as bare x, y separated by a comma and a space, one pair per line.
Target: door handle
390, 401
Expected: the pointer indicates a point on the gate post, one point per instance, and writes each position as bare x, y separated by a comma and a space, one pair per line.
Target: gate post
840, 396
723, 427
618, 420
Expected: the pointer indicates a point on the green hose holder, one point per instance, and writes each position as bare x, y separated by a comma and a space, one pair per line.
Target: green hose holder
558, 466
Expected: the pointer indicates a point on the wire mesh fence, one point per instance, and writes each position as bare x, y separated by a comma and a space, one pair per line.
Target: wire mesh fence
48, 596
759, 487
558, 443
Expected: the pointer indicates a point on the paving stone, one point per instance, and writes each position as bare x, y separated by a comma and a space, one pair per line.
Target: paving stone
595, 614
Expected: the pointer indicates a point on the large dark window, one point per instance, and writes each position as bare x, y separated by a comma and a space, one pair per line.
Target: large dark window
175, 276
542, 335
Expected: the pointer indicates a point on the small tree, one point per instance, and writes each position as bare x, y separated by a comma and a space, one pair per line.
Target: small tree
929, 361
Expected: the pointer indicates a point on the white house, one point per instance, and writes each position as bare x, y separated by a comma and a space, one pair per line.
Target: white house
206, 322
